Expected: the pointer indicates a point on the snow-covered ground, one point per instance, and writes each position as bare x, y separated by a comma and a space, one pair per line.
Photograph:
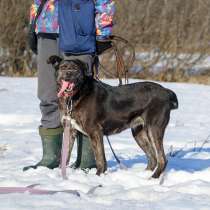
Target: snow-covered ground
184, 186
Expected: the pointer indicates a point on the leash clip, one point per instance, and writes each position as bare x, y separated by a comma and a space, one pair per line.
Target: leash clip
69, 107
66, 118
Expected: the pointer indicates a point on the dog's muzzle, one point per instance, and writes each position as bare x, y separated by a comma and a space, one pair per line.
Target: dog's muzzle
66, 89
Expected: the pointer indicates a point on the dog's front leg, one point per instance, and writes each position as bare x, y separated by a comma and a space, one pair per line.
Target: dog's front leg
98, 149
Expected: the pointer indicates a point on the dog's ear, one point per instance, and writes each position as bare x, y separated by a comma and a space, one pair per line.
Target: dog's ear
55, 61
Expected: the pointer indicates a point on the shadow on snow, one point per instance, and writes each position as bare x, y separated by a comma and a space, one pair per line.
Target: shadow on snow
179, 162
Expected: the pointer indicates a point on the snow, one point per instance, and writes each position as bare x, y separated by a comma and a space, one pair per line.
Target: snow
185, 185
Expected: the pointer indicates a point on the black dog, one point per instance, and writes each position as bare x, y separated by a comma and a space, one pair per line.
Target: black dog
100, 109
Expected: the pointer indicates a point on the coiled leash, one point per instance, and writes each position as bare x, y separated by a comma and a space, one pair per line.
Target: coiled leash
112, 44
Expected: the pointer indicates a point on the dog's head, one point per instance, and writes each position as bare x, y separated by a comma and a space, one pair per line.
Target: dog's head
70, 74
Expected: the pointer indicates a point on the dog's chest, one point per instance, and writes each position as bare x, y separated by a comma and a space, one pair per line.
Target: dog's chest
74, 124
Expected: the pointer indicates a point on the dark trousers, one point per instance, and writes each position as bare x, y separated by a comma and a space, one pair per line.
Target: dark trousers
47, 88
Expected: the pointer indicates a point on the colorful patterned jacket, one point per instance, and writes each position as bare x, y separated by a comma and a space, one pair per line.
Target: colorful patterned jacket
48, 19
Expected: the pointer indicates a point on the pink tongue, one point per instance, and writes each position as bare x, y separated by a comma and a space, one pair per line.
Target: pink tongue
64, 86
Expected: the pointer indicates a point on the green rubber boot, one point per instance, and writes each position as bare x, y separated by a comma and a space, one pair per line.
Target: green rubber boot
85, 156
51, 144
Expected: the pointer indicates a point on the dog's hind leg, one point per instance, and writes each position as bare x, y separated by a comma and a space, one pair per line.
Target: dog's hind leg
141, 137
98, 149
156, 137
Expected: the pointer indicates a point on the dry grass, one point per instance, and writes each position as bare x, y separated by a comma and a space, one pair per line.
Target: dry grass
179, 77
175, 26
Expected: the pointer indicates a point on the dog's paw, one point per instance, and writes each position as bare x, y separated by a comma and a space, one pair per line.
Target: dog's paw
101, 170
98, 172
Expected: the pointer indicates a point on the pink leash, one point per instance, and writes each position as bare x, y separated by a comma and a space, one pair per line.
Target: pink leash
65, 148
64, 161
31, 190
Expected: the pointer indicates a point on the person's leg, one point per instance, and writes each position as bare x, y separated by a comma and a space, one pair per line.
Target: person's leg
47, 87
85, 156
51, 131
51, 145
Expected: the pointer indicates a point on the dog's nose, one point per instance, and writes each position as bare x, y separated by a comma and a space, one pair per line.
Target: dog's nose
68, 76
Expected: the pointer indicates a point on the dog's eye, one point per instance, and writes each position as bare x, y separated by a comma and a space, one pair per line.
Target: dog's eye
63, 67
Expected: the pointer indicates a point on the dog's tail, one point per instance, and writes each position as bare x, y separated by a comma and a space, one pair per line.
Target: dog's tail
173, 101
